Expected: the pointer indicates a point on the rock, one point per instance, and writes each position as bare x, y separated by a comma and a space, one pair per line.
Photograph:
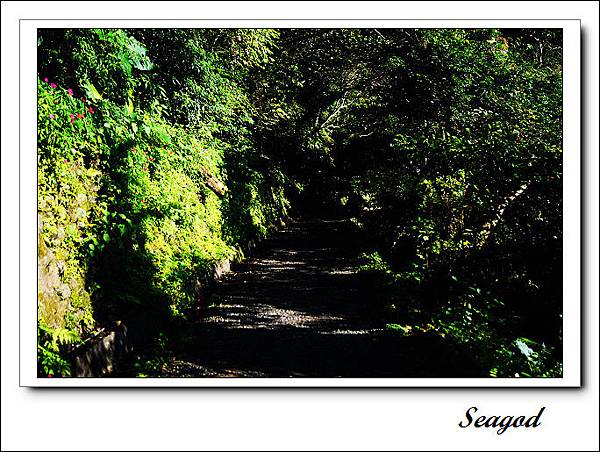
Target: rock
221, 268
103, 354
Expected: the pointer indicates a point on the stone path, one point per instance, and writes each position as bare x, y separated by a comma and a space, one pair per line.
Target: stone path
300, 308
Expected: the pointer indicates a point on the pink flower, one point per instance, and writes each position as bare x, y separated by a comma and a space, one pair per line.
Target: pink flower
46, 79
51, 116
72, 118
91, 110
70, 91
53, 85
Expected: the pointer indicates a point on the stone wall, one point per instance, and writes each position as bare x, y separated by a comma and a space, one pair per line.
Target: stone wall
102, 355
105, 354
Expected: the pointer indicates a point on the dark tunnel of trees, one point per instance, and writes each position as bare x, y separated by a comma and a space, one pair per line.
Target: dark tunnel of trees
162, 152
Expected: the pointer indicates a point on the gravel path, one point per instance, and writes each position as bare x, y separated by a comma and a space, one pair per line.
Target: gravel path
299, 308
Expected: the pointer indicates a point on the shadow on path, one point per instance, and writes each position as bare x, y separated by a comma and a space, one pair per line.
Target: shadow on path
300, 308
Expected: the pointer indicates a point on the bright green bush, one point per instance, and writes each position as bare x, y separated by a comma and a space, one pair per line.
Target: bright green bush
134, 207
68, 214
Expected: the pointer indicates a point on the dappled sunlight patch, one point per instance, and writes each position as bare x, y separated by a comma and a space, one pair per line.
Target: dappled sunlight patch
354, 332
342, 271
260, 315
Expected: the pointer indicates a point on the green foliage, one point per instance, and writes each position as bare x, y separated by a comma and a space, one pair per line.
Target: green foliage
447, 149
375, 263
50, 342
68, 209
142, 160
461, 179
152, 366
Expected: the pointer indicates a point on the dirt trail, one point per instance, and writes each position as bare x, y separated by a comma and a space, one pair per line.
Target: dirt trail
300, 308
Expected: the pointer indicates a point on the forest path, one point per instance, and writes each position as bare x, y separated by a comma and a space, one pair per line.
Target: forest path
300, 307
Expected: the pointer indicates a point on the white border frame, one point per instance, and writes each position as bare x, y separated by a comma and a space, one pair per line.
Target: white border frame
571, 209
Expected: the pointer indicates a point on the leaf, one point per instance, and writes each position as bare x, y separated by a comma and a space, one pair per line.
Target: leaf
91, 92
137, 55
129, 107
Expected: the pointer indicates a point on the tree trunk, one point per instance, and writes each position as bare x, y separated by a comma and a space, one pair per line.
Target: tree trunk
213, 183
484, 235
